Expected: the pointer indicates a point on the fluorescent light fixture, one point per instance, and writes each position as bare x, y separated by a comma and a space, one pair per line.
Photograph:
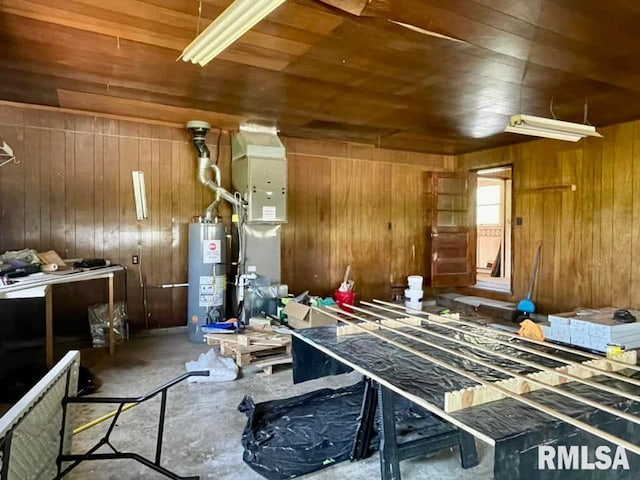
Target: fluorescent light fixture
239, 17
550, 128
140, 195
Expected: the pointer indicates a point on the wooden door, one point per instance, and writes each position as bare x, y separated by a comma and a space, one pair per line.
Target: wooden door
453, 230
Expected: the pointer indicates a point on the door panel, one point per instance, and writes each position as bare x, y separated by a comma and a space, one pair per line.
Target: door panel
453, 230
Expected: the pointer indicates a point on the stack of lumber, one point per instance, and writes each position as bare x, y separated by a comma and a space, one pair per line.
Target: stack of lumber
261, 348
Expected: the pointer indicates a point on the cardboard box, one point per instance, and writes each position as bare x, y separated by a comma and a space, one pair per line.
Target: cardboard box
302, 316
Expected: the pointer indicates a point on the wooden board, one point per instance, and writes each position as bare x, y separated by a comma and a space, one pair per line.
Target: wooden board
267, 365
252, 346
470, 397
342, 329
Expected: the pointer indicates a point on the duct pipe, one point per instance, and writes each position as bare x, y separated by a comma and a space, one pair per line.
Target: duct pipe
199, 131
204, 163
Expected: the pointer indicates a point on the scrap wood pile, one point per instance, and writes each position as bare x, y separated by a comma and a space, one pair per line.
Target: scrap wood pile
262, 348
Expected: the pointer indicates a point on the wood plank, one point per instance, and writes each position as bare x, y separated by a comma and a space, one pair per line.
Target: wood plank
474, 396
45, 189
635, 235
178, 300
306, 246
84, 194
606, 208
140, 109
409, 223
361, 215
32, 182
166, 312
622, 257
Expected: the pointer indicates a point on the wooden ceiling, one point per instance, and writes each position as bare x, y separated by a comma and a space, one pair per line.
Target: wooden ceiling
319, 72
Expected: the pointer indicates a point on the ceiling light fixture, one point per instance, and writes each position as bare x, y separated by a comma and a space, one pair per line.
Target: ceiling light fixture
550, 128
239, 17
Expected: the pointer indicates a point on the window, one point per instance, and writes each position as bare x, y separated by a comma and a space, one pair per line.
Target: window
488, 202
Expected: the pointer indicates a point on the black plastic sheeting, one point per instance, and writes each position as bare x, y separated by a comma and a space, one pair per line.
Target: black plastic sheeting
516, 428
295, 436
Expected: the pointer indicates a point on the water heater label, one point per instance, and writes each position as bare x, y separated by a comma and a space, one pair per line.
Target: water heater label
211, 292
211, 251
269, 213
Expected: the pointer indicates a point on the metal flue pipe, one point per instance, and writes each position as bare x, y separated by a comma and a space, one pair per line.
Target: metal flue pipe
199, 130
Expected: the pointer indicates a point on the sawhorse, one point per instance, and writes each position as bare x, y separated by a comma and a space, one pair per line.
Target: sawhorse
380, 401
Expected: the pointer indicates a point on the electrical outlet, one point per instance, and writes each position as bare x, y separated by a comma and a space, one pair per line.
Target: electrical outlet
135, 259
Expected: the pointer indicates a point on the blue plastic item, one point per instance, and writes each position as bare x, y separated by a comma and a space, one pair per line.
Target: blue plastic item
527, 305
222, 327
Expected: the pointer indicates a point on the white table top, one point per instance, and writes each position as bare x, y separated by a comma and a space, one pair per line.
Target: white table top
42, 279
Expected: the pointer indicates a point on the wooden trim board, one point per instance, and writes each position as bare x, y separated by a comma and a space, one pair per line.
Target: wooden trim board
473, 396
343, 330
455, 318
525, 400
532, 380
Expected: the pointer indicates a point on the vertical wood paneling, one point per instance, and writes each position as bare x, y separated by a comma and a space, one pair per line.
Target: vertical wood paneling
84, 191
606, 218
622, 214
361, 213
98, 192
591, 236
32, 191
163, 262
306, 238
409, 205
72, 192
585, 228
58, 190
45, 188
635, 226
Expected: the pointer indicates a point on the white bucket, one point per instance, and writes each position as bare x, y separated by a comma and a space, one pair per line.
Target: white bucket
413, 296
415, 282
413, 305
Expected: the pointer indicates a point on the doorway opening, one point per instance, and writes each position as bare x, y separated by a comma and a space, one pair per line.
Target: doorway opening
493, 222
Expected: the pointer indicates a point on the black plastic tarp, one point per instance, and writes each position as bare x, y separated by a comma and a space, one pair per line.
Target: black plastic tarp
517, 429
295, 436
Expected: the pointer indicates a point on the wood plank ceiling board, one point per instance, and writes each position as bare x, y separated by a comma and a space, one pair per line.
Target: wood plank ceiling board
147, 110
318, 71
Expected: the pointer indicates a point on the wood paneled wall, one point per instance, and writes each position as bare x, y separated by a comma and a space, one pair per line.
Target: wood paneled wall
72, 192
351, 204
590, 237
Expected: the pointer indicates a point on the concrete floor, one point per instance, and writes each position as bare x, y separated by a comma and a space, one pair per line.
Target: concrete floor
203, 427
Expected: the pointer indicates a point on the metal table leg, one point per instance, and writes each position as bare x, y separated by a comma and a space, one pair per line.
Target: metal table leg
389, 455
111, 339
366, 423
468, 452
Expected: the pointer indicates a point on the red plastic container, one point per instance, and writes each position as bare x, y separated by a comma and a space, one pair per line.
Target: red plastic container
345, 298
